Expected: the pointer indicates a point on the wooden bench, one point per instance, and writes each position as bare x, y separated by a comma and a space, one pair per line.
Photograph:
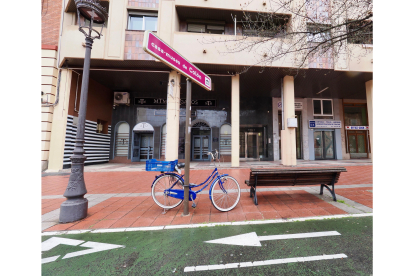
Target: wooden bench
293, 177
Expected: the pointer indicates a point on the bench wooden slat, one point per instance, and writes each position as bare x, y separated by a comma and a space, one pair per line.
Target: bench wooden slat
293, 177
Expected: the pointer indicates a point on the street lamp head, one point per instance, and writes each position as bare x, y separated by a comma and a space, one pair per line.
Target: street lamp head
91, 12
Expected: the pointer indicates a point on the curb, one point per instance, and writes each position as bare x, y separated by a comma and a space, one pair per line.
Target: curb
184, 226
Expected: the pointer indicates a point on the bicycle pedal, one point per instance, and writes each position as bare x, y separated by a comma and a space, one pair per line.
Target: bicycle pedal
193, 205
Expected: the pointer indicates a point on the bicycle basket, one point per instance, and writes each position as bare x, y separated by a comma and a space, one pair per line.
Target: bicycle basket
164, 166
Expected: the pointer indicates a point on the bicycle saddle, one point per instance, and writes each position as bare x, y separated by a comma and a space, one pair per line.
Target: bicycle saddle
180, 165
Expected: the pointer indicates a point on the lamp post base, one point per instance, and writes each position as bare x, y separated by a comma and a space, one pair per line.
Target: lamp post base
73, 209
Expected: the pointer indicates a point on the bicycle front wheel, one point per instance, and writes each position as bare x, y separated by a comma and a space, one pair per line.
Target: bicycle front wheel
160, 185
225, 196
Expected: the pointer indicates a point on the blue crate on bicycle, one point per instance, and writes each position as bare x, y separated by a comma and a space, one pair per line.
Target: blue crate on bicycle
160, 166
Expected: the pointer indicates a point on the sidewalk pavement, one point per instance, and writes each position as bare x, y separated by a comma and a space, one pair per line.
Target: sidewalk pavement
119, 196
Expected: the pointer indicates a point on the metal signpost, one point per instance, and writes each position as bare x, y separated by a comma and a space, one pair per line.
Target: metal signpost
154, 46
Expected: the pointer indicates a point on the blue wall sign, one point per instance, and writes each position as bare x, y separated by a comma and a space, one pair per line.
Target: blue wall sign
324, 124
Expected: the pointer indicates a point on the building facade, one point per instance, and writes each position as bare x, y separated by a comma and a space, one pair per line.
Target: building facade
136, 104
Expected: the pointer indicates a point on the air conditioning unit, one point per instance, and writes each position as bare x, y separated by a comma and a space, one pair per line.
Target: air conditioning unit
121, 98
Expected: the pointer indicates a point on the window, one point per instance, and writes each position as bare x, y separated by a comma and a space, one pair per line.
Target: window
213, 27
360, 32
318, 32
142, 22
266, 26
322, 108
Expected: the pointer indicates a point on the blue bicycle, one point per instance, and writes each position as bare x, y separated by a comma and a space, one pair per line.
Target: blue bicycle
167, 190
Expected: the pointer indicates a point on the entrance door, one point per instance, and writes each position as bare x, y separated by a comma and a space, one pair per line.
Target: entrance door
252, 145
324, 144
357, 143
143, 147
200, 145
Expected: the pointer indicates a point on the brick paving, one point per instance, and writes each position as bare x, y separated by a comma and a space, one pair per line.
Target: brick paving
363, 196
141, 211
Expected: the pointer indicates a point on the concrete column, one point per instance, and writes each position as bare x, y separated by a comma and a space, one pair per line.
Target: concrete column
173, 117
369, 91
235, 120
60, 118
288, 139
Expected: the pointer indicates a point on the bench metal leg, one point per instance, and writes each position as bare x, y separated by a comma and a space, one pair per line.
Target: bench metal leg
333, 188
255, 191
329, 189
251, 192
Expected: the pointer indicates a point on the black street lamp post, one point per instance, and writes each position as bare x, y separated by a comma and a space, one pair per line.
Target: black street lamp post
76, 206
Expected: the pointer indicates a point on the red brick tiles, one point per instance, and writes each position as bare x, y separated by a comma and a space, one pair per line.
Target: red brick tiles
142, 211
118, 212
363, 196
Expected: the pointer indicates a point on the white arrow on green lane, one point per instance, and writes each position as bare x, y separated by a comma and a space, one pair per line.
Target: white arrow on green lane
251, 239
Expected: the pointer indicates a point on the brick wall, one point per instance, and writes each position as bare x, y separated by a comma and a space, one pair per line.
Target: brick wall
144, 3
133, 46
51, 11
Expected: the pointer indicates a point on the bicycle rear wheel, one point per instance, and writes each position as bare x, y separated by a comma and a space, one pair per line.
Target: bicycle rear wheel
226, 196
160, 185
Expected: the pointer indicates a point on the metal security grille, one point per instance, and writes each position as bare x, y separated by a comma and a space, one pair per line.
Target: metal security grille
96, 144
225, 140
121, 145
163, 139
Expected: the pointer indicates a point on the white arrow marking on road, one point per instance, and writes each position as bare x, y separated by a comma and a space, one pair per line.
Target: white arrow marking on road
95, 247
267, 262
50, 259
251, 239
55, 241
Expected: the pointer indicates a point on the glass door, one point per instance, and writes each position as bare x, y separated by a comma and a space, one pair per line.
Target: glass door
143, 147
251, 145
357, 144
324, 144
146, 148
200, 145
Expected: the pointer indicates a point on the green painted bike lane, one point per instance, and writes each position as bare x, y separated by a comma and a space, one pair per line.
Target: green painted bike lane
174, 251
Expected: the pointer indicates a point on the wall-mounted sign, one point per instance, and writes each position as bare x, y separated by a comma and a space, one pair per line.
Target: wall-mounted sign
357, 127
163, 101
143, 127
324, 124
298, 105
154, 46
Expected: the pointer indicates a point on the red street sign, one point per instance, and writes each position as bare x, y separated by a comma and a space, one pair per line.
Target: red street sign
154, 46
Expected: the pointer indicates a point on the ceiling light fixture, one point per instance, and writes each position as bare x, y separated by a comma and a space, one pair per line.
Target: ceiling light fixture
322, 90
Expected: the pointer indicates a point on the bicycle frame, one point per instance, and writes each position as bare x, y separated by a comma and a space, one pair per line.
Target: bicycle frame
211, 179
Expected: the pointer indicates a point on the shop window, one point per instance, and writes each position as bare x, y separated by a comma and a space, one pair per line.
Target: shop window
322, 107
225, 140
142, 21
205, 26
355, 114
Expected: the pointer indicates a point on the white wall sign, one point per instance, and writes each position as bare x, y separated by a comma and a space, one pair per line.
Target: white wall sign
143, 127
324, 124
298, 105
357, 127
